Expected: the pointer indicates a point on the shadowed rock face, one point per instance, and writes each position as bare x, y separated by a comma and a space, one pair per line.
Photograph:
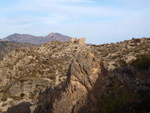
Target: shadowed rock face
21, 108
82, 76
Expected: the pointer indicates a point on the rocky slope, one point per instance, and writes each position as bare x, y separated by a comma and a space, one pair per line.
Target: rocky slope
41, 78
7, 46
37, 40
82, 76
88, 81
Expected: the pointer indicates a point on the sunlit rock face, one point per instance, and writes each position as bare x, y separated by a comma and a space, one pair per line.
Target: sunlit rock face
82, 76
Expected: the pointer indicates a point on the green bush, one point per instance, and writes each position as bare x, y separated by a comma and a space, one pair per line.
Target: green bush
117, 101
4, 97
142, 62
53, 77
122, 62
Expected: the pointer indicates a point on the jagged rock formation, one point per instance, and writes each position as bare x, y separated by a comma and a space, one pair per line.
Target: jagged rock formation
37, 40
28, 71
81, 79
38, 74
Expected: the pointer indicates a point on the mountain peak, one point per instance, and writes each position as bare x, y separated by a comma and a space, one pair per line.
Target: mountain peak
50, 34
37, 40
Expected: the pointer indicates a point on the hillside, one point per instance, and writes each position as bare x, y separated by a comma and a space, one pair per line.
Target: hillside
43, 78
37, 40
7, 46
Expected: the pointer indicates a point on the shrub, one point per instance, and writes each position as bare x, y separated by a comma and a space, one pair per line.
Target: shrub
22, 95
76, 47
117, 101
4, 97
53, 77
16, 98
137, 40
11, 103
143, 103
142, 62
122, 62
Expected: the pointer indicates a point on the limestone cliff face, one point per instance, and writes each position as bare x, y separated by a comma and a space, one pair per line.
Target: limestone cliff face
82, 76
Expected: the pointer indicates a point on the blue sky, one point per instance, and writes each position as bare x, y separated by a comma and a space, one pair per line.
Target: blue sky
100, 21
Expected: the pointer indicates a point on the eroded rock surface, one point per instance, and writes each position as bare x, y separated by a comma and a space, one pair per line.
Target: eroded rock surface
82, 76
40, 74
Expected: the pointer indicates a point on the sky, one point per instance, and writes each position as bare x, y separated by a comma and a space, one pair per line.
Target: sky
100, 21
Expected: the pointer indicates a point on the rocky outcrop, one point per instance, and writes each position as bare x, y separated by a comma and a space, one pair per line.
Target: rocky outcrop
26, 72
81, 80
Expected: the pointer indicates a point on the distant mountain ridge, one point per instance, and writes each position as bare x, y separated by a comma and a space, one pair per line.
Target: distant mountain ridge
37, 40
